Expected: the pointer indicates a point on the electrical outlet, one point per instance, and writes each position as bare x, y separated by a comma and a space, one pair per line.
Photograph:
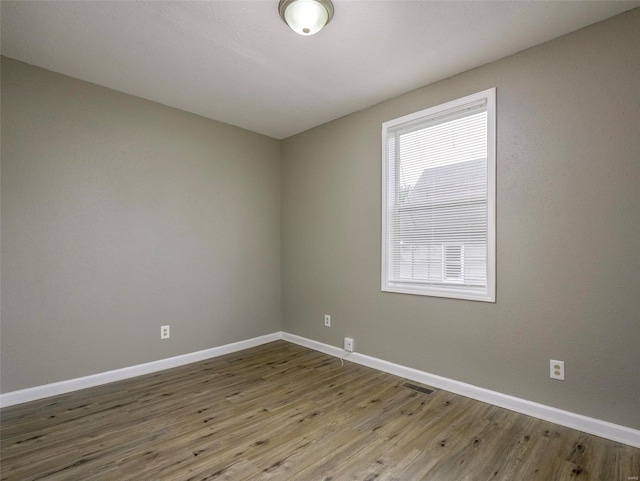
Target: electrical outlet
327, 320
164, 332
348, 344
556, 369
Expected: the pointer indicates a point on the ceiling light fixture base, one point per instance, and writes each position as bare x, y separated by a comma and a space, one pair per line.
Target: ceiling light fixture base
306, 17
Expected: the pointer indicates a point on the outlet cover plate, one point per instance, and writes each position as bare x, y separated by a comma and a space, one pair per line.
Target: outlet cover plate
348, 344
556, 369
164, 332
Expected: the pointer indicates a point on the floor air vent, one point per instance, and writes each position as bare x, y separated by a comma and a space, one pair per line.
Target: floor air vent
421, 389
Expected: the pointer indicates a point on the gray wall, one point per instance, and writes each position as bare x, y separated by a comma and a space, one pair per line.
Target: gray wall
568, 232
120, 215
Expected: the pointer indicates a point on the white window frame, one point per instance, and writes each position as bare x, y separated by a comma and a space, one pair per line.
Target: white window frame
487, 293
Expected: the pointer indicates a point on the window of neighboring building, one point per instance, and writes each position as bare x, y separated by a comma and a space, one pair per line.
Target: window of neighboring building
438, 194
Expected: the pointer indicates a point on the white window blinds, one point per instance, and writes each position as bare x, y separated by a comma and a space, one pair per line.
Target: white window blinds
438, 200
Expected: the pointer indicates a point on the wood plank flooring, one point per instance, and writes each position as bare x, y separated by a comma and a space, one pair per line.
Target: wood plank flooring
283, 412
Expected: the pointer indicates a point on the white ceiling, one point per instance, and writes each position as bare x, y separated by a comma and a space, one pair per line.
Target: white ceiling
237, 62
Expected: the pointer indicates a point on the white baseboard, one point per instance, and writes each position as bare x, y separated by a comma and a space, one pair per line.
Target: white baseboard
579, 422
582, 423
62, 387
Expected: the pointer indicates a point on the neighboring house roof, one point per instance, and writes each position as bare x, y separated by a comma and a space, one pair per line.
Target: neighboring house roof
442, 185
461, 189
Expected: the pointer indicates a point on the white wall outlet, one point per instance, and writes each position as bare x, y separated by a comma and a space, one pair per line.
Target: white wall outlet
348, 344
164, 332
556, 369
327, 320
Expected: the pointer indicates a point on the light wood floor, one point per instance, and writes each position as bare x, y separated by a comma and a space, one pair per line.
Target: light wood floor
283, 412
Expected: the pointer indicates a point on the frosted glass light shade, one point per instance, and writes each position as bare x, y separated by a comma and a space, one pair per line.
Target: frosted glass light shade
306, 17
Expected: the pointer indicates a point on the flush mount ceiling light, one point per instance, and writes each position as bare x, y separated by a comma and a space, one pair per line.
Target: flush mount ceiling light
306, 17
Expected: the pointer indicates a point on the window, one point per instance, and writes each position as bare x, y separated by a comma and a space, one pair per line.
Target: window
438, 200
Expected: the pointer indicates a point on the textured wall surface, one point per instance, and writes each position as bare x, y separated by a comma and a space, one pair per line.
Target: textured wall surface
568, 232
120, 215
